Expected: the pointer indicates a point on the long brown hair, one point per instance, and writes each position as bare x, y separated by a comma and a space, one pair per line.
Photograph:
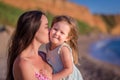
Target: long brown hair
27, 26
73, 34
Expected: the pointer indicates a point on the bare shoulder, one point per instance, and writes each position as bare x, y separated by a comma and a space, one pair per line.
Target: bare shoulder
21, 62
23, 69
65, 49
65, 53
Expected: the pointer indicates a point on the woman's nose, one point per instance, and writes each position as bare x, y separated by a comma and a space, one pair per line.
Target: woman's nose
49, 30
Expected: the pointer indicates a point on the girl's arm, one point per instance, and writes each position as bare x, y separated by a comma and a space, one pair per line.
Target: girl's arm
66, 57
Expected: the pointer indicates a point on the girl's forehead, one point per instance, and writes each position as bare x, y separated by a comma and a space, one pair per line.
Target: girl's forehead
62, 26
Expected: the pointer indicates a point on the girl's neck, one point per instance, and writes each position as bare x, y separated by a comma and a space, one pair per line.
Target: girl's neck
53, 46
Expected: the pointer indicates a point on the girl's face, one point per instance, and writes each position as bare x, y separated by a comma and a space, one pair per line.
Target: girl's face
42, 33
59, 33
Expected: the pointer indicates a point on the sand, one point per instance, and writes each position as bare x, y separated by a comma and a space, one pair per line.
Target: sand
93, 69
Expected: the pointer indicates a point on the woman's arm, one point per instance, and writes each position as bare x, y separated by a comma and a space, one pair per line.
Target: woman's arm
66, 57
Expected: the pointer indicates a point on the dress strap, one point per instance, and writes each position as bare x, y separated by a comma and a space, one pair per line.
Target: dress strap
64, 44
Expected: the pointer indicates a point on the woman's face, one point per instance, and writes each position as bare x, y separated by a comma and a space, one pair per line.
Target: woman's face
42, 33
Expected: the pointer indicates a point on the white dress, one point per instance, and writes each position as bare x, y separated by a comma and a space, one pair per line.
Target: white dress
53, 58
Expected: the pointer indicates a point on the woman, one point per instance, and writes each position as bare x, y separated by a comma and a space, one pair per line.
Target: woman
24, 62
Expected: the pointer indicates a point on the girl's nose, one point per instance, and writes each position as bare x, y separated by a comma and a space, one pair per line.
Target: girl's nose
57, 33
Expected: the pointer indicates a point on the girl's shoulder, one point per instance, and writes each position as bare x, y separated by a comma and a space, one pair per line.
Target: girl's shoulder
64, 45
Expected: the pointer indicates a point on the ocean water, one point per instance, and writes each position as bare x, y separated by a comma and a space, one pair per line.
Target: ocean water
107, 50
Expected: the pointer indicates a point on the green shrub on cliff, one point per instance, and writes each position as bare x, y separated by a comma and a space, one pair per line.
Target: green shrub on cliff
9, 14
84, 28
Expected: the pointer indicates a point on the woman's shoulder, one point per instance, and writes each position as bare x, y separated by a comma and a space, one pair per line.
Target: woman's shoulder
23, 69
22, 63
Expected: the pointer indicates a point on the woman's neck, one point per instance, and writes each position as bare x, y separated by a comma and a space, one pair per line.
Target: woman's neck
35, 46
32, 49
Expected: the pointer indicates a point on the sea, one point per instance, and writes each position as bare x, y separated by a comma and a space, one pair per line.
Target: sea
106, 50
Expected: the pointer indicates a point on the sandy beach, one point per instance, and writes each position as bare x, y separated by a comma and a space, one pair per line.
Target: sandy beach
93, 69
90, 68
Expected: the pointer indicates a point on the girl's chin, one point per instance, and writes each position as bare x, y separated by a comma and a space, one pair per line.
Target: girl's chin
54, 41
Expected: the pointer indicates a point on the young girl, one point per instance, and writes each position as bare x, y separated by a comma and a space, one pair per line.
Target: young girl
62, 49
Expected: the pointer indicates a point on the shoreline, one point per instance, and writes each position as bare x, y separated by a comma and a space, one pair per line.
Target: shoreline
91, 67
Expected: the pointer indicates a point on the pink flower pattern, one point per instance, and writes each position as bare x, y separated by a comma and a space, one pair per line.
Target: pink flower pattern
41, 76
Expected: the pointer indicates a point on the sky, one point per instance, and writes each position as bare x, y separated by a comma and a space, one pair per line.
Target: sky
100, 6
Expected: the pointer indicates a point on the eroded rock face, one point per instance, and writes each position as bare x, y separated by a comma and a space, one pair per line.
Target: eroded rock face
56, 7
100, 24
116, 30
60, 7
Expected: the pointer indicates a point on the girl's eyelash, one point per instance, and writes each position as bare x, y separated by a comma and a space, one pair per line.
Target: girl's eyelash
55, 29
62, 32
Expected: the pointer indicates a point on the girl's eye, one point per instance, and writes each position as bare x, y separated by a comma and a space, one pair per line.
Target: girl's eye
55, 29
62, 32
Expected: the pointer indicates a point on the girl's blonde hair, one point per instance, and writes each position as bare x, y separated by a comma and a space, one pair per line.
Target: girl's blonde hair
73, 34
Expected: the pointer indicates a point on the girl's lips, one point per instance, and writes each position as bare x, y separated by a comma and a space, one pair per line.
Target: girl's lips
55, 37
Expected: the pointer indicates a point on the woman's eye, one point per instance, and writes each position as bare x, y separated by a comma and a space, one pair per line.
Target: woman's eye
47, 27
